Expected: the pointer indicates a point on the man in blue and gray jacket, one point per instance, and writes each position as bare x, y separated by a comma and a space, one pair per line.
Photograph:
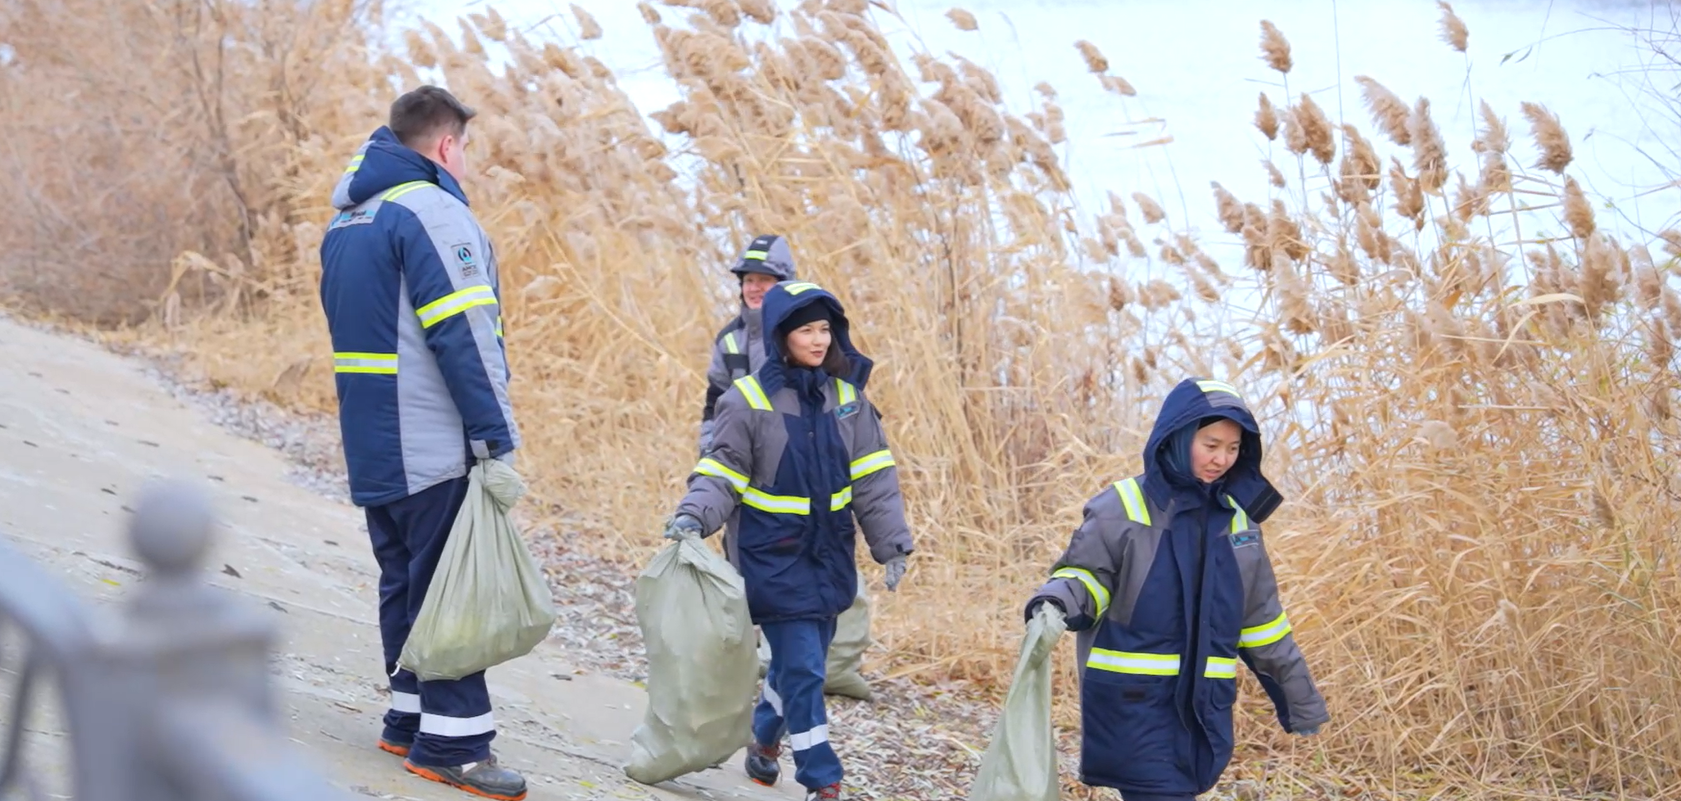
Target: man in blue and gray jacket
410, 290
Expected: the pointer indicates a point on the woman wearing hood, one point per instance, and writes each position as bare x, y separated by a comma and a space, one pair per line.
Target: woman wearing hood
798, 464
1168, 583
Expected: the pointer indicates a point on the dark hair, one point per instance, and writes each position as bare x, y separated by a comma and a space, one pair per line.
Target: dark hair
835, 363
426, 113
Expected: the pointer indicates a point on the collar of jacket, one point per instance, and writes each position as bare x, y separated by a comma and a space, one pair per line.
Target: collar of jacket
387, 162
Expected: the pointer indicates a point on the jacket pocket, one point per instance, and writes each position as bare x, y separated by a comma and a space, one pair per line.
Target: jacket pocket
1131, 730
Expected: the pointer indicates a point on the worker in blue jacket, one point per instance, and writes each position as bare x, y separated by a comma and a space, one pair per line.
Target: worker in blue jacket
411, 294
797, 467
1168, 582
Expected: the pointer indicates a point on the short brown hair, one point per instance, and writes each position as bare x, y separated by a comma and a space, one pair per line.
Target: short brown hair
426, 113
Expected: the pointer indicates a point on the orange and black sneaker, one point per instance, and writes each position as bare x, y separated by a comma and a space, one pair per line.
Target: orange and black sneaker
389, 747
485, 779
761, 764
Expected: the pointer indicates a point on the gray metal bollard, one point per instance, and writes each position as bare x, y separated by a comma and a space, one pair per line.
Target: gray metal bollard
170, 700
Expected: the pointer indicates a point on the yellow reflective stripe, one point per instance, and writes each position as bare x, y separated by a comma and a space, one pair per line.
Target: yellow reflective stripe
729, 343
372, 363
1240, 518
800, 286
872, 463
1099, 594
355, 164
755, 254
1132, 497
499, 325
777, 504
1220, 667
1128, 662
839, 500
713, 467
754, 394
845, 392
455, 303
403, 189
1257, 636
1218, 386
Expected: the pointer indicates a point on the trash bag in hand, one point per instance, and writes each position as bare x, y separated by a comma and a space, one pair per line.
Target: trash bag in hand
1020, 763
692, 608
846, 651
488, 603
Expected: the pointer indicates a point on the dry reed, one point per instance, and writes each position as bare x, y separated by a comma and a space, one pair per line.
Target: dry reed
1479, 460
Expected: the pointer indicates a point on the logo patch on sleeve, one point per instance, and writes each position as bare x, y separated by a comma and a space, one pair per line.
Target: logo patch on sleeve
846, 410
464, 260
1244, 539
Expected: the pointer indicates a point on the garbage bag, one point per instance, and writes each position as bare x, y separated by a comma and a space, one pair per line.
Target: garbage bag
692, 608
846, 652
1020, 764
488, 603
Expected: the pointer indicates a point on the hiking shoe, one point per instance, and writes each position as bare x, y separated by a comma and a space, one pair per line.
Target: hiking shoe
830, 793
761, 764
485, 778
389, 747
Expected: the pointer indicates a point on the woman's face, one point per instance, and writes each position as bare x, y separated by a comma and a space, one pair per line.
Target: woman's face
808, 344
1214, 450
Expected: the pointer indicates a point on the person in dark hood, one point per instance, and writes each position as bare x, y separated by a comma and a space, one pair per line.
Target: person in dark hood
798, 465
1169, 585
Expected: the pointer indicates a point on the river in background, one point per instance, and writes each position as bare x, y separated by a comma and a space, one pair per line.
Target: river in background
1197, 69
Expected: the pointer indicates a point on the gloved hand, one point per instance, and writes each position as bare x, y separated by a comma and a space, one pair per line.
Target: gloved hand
682, 527
895, 572
1036, 604
706, 427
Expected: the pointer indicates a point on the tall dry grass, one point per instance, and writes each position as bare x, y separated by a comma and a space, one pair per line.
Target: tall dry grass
1470, 404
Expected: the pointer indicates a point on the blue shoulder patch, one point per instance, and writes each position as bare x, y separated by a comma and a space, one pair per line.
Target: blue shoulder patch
349, 218
1243, 539
846, 410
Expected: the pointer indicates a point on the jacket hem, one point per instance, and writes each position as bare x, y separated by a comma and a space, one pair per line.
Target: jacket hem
366, 499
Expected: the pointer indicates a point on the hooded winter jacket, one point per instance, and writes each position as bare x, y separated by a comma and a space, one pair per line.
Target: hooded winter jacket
798, 464
409, 287
1168, 582
739, 348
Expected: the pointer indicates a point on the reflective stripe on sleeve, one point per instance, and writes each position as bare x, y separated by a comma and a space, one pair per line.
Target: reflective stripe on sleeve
1257, 636
754, 394
1132, 497
872, 463
455, 303
1094, 588
713, 467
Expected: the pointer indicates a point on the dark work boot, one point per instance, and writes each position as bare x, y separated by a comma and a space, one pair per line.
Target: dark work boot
761, 764
485, 779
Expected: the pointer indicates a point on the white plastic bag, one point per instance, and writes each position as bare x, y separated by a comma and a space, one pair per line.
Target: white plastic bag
846, 652
1020, 763
692, 608
488, 602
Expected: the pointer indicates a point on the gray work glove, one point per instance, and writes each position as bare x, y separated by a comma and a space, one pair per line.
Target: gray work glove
682, 527
1050, 606
895, 572
706, 427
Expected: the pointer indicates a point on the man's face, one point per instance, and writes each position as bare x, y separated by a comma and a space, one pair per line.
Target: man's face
753, 288
452, 154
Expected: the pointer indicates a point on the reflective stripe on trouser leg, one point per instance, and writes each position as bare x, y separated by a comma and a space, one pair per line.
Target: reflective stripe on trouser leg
799, 654
768, 727
454, 726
